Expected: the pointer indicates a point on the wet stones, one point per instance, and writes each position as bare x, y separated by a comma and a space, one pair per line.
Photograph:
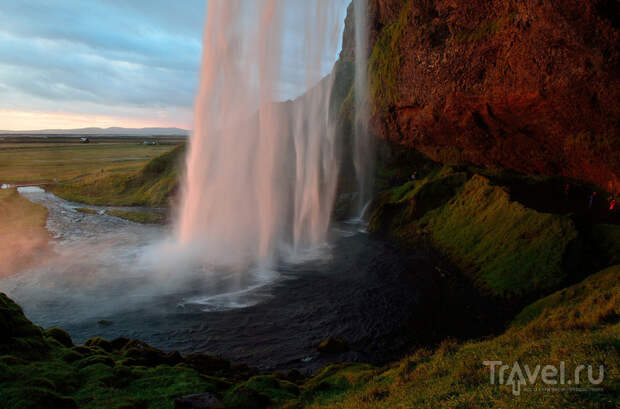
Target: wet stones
198, 401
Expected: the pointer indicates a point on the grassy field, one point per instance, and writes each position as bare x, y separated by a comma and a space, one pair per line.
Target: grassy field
22, 231
44, 163
153, 184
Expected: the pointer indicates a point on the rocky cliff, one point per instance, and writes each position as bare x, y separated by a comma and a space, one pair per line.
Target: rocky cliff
529, 85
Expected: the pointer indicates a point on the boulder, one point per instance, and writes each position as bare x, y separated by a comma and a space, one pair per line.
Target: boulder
60, 335
205, 400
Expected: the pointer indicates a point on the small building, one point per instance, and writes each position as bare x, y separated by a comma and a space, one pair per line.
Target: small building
84, 139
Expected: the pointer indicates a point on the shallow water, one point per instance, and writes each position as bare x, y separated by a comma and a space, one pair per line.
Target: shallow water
106, 268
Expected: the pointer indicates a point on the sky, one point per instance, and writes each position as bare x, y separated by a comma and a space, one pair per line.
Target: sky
101, 63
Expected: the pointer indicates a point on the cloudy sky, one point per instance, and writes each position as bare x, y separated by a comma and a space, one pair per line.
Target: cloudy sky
81, 63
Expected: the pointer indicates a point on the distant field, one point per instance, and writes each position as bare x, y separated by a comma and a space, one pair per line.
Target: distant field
43, 162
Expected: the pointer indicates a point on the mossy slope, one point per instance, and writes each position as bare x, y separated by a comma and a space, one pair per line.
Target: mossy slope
507, 249
153, 185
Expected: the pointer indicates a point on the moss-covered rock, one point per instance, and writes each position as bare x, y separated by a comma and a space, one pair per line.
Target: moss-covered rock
38, 398
261, 391
506, 248
99, 342
95, 359
60, 335
17, 333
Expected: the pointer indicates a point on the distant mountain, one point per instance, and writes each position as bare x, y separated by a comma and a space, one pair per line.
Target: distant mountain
105, 131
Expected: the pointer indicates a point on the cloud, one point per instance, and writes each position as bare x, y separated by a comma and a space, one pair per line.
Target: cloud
115, 57
101, 57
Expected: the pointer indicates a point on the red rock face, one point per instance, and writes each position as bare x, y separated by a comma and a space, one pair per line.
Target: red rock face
529, 85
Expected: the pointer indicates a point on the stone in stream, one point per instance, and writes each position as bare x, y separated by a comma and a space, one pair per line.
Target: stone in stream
198, 401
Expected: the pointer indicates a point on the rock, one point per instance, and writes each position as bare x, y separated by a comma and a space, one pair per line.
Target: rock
119, 343
60, 335
144, 354
99, 342
333, 345
529, 86
173, 358
72, 356
105, 323
205, 400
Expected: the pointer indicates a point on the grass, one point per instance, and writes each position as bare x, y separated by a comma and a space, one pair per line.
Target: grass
138, 216
86, 210
151, 185
45, 163
22, 229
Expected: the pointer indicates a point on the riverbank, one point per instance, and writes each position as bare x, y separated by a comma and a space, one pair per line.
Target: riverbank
23, 233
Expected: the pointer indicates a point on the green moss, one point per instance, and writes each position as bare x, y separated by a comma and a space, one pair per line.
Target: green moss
39, 371
385, 60
259, 391
506, 247
60, 335
397, 209
335, 380
17, 334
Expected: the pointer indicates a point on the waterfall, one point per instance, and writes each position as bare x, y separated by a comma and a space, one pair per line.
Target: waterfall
260, 176
363, 155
